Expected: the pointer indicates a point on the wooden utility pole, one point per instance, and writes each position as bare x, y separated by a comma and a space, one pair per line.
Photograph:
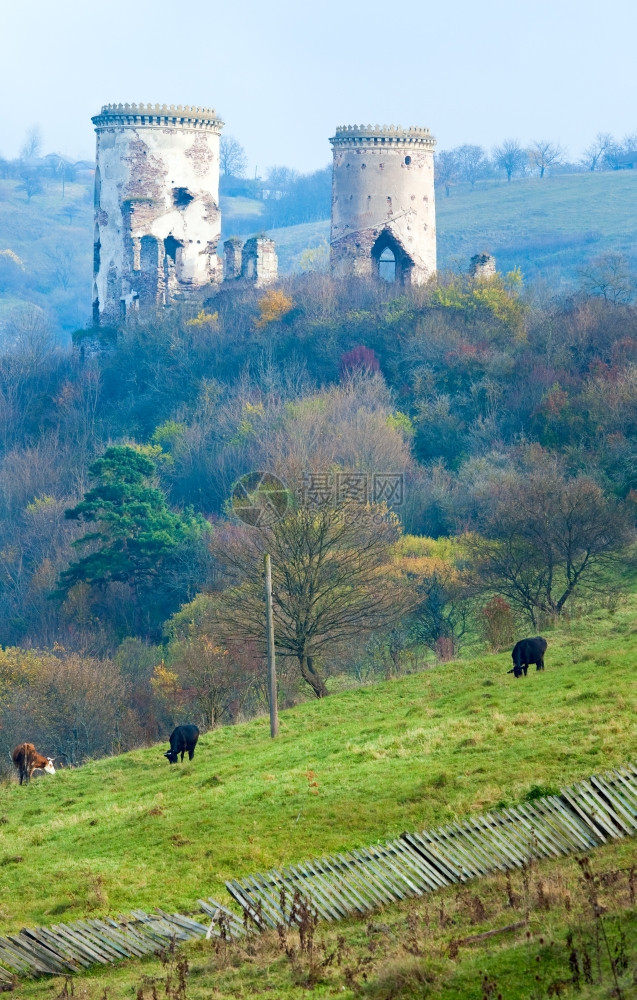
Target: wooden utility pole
274, 711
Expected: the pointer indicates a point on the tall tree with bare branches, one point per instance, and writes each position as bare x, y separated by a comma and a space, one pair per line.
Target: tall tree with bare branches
509, 157
545, 538
329, 580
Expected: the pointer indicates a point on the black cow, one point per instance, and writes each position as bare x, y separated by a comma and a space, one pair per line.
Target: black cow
528, 651
182, 739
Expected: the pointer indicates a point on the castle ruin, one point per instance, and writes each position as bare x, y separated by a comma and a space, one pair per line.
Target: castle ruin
255, 260
157, 218
383, 205
158, 223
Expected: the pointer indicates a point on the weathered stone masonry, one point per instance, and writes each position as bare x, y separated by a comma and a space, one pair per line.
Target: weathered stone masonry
383, 206
157, 219
255, 260
482, 266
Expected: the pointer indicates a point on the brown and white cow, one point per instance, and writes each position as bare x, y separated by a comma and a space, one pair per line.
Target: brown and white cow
27, 760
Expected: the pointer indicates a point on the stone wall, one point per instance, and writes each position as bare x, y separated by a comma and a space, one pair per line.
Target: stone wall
259, 263
482, 266
232, 257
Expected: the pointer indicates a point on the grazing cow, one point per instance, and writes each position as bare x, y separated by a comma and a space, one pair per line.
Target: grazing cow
182, 739
528, 651
27, 760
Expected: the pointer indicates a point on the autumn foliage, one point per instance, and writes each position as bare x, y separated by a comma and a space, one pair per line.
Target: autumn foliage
273, 306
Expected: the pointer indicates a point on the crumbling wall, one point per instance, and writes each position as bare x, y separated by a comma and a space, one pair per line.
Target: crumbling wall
232, 258
157, 217
383, 198
482, 266
259, 261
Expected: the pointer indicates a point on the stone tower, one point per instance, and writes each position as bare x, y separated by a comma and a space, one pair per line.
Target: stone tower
157, 219
383, 207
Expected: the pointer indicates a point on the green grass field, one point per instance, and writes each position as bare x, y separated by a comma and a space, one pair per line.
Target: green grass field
549, 228
406, 951
362, 765
53, 238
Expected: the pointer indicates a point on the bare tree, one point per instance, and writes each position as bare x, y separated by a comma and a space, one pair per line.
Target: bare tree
611, 276
232, 157
328, 579
544, 154
472, 162
544, 538
593, 156
73, 706
510, 157
441, 619
30, 183
280, 180
207, 680
446, 169
32, 145
62, 263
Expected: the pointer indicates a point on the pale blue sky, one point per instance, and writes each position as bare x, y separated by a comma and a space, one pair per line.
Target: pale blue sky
284, 73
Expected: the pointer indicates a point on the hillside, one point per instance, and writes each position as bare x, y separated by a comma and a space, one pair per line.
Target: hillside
362, 765
132, 832
53, 238
548, 228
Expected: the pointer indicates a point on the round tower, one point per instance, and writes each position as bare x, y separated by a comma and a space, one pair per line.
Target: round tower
383, 207
157, 219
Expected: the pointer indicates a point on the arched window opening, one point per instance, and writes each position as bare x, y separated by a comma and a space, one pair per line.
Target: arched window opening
387, 265
171, 245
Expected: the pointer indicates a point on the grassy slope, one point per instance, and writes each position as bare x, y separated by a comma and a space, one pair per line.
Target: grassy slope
393, 949
405, 754
384, 958
549, 227
37, 231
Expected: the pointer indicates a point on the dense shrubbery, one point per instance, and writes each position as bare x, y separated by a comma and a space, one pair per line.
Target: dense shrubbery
476, 394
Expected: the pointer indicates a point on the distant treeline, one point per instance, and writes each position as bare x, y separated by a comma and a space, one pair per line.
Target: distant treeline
470, 163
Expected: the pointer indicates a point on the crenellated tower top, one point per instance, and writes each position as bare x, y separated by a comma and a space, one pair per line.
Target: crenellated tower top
382, 135
166, 115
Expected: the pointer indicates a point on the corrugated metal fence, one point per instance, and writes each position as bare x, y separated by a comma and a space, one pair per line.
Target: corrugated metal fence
584, 815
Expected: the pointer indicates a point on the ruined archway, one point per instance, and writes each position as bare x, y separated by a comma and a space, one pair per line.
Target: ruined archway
391, 262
